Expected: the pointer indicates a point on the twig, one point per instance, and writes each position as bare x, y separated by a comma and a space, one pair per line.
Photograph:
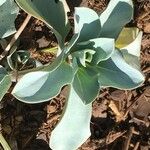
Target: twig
15, 37
136, 146
130, 107
28, 141
127, 141
111, 138
4, 143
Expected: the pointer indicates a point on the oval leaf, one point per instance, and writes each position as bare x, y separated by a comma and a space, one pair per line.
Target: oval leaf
5, 82
86, 84
131, 52
115, 17
51, 12
115, 72
2, 2
84, 56
127, 36
87, 23
74, 127
135, 46
9, 12
87, 26
103, 48
41, 86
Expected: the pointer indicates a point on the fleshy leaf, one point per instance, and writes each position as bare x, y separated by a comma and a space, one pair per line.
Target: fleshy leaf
41, 86
115, 17
5, 82
74, 127
87, 23
131, 59
15, 57
103, 48
116, 72
131, 52
44, 84
127, 36
135, 46
2, 2
87, 26
8, 14
51, 12
72, 43
86, 84
84, 56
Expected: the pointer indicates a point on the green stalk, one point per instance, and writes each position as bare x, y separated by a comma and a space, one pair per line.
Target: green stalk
50, 50
4, 143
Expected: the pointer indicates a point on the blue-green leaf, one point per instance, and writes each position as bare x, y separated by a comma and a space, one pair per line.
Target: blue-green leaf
135, 46
8, 14
103, 48
74, 127
87, 26
53, 13
86, 84
84, 56
116, 72
115, 17
2, 2
87, 23
5, 82
131, 52
42, 85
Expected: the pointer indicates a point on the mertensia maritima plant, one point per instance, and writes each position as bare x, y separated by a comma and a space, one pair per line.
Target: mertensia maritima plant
101, 53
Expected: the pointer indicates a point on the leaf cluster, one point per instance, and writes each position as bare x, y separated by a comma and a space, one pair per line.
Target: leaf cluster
101, 53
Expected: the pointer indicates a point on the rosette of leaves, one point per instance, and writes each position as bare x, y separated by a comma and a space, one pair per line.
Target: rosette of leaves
19, 60
94, 58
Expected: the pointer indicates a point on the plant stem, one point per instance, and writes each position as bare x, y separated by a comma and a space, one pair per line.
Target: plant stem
15, 37
50, 50
4, 143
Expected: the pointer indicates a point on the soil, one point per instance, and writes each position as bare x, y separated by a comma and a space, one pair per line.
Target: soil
120, 120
